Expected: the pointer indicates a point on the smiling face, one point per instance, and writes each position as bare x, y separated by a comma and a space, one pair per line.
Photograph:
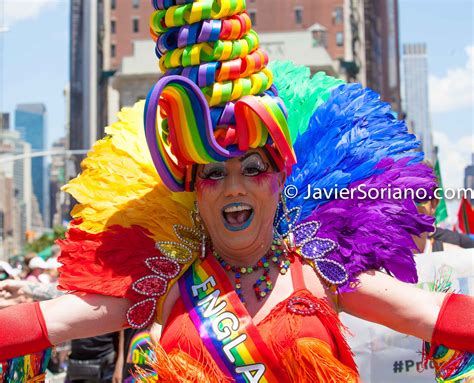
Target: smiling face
237, 200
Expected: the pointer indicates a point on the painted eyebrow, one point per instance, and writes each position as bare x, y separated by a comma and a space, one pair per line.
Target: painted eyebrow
248, 154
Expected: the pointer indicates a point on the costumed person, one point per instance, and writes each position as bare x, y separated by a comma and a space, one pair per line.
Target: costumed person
182, 218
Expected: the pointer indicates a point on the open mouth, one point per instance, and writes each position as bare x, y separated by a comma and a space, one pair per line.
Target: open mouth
237, 216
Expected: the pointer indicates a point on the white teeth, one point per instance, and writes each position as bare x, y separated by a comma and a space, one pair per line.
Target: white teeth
232, 209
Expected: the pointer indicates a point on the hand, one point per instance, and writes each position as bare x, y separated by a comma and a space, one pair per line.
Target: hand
7, 300
13, 288
12, 293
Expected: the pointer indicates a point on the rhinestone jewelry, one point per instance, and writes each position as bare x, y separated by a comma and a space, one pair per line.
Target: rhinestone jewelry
302, 306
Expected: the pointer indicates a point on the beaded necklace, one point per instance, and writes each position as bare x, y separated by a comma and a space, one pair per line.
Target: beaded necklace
264, 284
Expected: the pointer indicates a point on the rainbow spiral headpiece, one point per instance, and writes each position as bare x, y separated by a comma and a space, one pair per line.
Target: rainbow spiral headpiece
215, 100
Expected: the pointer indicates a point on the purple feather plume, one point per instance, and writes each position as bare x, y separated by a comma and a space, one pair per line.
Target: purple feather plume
375, 234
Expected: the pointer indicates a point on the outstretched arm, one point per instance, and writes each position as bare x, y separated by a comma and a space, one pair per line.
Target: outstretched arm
439, 318
82, 316
32, 327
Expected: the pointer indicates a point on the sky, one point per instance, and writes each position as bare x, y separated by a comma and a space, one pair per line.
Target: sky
34, 58
34, 62
447, 27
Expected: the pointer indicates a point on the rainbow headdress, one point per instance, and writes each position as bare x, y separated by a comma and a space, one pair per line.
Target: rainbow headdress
216, 99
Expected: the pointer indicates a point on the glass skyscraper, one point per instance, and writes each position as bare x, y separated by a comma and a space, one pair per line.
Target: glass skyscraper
415, 69
30, 121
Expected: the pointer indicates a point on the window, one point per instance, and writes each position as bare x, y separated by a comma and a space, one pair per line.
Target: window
320, 39
337, 15
299, 15
135, 25
339, 39
136, 3
112, 26
253, 17
113, 4
112, 50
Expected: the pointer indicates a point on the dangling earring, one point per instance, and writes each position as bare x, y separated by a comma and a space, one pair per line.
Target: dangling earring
286, 214
200, 227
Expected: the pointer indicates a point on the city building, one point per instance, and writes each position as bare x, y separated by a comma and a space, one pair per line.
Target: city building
88, 73
30, 122
4, 121
8, 216
19, 210
382, 71
137, 75
416, 103
127, 22
7, 194
469, 178
361, 36
324, 19
356, 40
83, 74
58, 199
136, 66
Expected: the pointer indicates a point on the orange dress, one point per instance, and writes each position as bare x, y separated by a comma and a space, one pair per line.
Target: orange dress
302, 331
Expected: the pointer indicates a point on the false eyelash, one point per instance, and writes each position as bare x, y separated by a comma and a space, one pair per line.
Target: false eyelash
260, 167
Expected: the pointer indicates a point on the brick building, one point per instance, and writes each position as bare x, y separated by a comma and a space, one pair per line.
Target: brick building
324, 18
360, 36
129, 21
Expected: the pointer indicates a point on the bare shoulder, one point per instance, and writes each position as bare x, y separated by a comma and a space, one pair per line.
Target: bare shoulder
317, 287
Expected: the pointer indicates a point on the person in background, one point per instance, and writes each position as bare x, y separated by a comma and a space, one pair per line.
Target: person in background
135, 349
8, 272
92, 360
38, 270
13, 292
441, 239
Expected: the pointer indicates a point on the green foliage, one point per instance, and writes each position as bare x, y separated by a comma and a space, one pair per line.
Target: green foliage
46, 240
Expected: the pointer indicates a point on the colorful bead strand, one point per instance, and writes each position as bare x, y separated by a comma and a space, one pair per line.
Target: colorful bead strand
263, 285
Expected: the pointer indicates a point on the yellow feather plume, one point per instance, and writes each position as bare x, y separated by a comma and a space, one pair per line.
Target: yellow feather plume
120, 186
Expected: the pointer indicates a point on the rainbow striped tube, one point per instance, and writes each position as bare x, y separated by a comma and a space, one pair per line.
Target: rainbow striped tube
193, 12
209, 52
451, 366
232, 28
215, 99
